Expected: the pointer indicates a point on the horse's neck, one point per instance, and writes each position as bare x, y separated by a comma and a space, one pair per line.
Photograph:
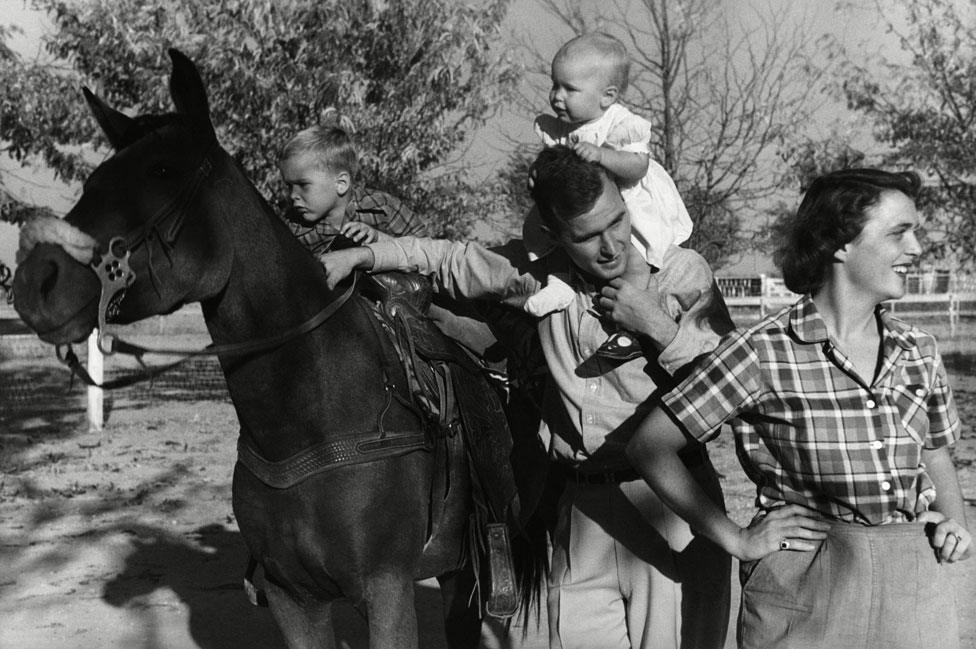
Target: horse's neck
273, 284
287, 397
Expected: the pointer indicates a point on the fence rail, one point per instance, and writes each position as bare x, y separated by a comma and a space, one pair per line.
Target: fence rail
935, 294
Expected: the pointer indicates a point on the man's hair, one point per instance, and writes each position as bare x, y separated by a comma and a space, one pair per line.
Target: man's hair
832, 214
331, 146
611, 53
563, 185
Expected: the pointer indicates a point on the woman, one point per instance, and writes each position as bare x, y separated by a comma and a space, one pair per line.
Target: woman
842, 417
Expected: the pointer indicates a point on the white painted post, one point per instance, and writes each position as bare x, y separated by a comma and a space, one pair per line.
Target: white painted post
96, 369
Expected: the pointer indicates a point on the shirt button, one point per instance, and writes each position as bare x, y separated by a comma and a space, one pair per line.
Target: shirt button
870, 403
919, 392
877, 444
594, 387
886, 486
590, 419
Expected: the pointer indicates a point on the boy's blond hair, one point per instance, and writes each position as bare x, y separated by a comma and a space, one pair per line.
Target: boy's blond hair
332, 147
611, 53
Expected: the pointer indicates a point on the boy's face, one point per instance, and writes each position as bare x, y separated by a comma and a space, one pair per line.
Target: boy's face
315, 192
580, 92
598, 241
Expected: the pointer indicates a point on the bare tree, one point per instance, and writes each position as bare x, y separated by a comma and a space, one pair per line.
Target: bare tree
723, 92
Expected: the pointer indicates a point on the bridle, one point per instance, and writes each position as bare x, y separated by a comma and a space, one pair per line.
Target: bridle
115, 275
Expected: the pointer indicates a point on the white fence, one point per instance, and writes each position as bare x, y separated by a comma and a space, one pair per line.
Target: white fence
936, 294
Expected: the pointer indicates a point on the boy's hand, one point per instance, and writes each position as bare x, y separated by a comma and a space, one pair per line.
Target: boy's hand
361, 233
340, 263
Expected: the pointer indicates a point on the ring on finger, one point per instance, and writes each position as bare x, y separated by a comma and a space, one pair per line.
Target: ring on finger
784, 544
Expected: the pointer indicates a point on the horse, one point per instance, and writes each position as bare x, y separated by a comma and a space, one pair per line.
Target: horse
180, 222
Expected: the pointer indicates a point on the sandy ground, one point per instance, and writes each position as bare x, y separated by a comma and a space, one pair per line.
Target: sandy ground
124, 538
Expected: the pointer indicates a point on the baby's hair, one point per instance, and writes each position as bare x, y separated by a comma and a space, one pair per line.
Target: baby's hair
611, 52
330, 142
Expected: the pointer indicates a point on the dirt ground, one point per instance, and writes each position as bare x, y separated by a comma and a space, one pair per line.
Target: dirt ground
124, 538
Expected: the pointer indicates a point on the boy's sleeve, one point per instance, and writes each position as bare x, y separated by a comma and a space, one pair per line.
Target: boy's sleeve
386, 213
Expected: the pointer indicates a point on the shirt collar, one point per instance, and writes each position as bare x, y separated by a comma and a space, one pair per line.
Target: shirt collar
808, 326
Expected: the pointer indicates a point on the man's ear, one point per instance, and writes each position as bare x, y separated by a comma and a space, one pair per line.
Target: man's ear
840, 255
343, 181
609, 96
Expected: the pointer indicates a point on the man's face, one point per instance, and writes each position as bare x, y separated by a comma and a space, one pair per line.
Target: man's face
597, 240
314, 191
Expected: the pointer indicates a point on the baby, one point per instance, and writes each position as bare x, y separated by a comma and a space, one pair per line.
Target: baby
589, 74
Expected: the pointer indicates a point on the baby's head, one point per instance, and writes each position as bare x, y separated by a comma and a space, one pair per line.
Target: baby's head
589, 74
318, 166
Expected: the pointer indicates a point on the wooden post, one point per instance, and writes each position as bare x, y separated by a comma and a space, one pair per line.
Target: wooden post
96, 369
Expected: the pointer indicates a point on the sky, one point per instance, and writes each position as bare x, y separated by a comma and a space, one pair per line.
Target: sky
524, 21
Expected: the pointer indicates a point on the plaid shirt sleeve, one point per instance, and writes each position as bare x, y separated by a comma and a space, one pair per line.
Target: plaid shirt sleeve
724, 383
944, 426
384, 212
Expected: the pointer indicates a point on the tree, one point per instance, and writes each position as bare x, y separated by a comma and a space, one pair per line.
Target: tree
922, 104
416, 77
722, 97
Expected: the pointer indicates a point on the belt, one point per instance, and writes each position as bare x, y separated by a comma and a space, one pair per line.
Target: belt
693, 456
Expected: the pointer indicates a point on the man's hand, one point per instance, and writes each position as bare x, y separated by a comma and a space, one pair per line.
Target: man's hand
640, 310
340, 263
361, 233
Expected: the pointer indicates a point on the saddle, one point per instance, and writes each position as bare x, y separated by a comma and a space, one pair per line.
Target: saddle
450, 388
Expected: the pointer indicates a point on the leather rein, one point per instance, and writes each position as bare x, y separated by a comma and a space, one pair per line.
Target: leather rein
115, 275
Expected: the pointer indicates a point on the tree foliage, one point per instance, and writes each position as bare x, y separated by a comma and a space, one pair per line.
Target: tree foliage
722, 96
922, 103
415, 76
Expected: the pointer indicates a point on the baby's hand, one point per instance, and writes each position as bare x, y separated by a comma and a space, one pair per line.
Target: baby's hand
359, 232
589, 152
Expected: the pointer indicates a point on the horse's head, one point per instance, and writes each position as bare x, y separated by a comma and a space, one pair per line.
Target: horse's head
151, 199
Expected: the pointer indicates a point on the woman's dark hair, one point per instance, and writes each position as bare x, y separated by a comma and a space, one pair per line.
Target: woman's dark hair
831, 215
563, 185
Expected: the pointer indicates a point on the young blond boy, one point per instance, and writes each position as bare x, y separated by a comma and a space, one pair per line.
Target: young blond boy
319, 167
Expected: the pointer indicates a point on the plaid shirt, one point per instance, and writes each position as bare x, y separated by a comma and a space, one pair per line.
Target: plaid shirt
384, 212
809, 430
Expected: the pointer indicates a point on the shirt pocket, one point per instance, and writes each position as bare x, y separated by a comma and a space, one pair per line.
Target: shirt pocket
911, 402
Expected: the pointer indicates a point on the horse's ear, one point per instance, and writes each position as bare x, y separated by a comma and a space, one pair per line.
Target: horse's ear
116, 126
189, 95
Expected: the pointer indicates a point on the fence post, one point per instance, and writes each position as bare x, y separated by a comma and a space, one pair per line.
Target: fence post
96, 369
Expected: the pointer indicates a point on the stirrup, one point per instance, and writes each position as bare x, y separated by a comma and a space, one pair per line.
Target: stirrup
621, 346
503, 598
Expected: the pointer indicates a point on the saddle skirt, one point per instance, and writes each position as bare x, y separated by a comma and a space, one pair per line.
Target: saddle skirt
449, 385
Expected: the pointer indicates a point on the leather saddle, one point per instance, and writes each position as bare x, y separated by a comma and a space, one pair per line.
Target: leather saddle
452, 389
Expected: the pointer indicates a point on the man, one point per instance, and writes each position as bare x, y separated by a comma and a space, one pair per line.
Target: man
626, 571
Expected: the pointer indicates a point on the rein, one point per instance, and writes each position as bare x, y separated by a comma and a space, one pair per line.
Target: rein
115, 275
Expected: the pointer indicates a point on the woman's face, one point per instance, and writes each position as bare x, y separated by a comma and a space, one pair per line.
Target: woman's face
877, 261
